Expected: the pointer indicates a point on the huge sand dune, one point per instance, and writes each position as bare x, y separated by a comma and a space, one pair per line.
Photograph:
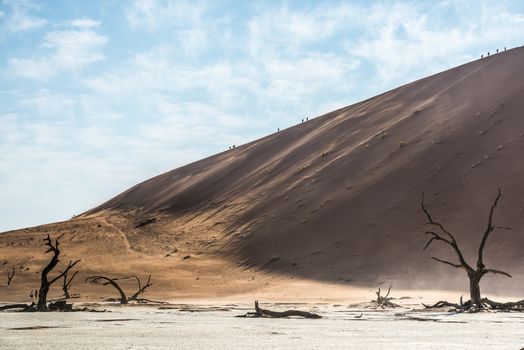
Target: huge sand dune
334, 200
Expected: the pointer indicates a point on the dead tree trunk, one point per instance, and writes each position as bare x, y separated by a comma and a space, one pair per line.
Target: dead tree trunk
45, 283
66, 284
474, 288
10, 276
474, 274
123, 297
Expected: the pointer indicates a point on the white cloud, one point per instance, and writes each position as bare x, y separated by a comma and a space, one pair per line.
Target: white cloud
31, 68
74, 49
67, 50
193, 41
161, 14
408, 41
287, 30
84, 23
49, 104
18, 17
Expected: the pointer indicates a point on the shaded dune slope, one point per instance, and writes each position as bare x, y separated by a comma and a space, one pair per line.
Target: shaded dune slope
338, 198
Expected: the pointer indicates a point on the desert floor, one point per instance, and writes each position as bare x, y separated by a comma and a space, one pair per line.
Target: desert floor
189, 326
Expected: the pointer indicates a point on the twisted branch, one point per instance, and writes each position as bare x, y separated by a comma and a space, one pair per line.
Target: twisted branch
451, 241
489, 229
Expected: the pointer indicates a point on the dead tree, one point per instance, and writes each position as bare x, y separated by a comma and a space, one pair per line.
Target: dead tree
45, 283
474, 274
279, 314
66, 284
123, 297
10, 276
385, 301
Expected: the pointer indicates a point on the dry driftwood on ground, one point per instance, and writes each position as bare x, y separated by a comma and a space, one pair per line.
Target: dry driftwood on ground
486, 304
384, 301
279, 314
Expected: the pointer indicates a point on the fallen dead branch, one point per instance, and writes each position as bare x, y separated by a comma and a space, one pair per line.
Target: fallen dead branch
441, 304
486, 305
59, 306
384, 301
279, 314
13, 306
509, 306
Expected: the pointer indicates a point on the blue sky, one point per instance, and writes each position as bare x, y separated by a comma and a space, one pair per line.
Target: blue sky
96, 96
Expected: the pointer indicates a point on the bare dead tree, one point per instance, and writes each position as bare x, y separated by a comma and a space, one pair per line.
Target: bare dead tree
10, 276
474, 274
66, 284
279, 314
385, 301
45, 283
123, 297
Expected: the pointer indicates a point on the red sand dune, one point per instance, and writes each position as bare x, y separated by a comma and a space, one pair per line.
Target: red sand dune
334, 199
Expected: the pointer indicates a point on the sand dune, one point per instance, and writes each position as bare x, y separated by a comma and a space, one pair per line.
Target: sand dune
335, 199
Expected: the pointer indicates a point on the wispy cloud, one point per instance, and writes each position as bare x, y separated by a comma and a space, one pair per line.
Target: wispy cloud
84, 23
70, 49
165, 14
404, 41
17, 16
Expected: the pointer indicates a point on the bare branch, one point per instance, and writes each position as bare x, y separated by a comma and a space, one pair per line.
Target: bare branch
52, 248
384, 301
111, 281
10, 276
452, 241
498, 272
389, 291
68, 284
141, 289
435, 237
434, 223
489, 229
447, 262
69, 267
